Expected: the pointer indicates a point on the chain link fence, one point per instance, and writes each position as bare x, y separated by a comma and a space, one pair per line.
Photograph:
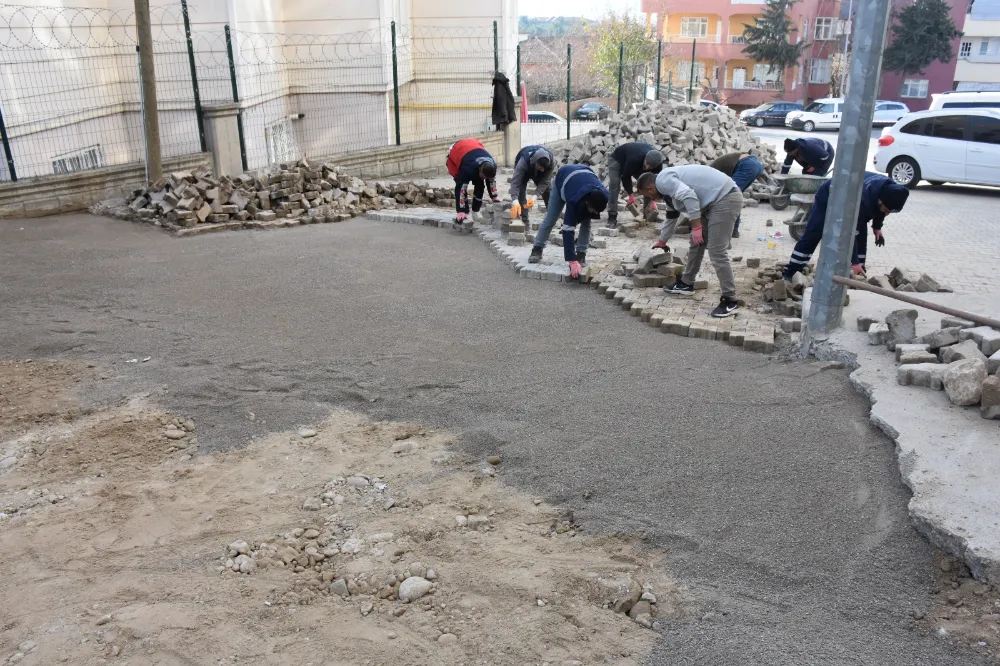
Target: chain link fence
71, 99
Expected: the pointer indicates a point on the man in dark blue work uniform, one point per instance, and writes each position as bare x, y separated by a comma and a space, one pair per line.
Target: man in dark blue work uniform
815, 156
880, 196
583, 194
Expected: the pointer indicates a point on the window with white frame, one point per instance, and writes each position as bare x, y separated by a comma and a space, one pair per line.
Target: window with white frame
684, 71
764, 72
826, 27
965, 50
914, 88
805, 30
91, 157
819, 70
989, 46
694, 27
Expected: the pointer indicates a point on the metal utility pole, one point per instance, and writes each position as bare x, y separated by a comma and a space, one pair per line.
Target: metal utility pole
147, 72
827, 304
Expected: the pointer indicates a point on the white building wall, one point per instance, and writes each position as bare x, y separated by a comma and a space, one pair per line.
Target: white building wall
979, 69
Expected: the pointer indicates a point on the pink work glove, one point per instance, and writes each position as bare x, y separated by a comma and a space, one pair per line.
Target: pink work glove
461, 217
660, 245
698, 235
574, 269
630, 200
857, 269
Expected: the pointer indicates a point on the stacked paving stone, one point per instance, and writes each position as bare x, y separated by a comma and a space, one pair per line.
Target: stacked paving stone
294, 193
903, 280
685, 134
960, 358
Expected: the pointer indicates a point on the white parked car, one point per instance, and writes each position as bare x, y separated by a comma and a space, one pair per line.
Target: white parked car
951, 99
826, 114
944, 146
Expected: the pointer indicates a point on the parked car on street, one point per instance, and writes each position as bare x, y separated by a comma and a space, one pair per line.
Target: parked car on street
545, 117
592, 111
826, 113
769, 113
942, 146
953, 99
712, 105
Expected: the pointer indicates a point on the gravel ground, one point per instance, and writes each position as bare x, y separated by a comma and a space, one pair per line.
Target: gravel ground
775, 501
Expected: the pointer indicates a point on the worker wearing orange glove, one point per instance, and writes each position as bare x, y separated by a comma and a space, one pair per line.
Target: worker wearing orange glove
534, 163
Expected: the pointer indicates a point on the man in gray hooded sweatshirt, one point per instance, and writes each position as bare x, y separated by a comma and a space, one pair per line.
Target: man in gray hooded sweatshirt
534, 163
712, 202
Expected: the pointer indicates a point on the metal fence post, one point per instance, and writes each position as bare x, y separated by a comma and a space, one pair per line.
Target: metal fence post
518, 69
569, 68
670, 84
827, 302
659, 66
236, 98
6, 149
621, 61
694, 46
395, 82
496, 49
194, 75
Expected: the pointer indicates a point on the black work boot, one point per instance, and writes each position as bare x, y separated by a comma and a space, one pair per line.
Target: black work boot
612, 222
581, 257
536, 255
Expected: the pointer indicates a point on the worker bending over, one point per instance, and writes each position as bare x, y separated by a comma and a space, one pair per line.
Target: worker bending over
712, 202
814, 155
581, 192
628, 161
880, 196
744, 169
469, 162
534, 163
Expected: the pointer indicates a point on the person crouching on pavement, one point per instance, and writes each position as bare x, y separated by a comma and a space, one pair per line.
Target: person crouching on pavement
469, 162
815, 156
577, 189
534, 163
712, 202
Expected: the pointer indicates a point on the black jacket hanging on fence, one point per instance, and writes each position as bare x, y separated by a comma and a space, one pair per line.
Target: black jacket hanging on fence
504, 111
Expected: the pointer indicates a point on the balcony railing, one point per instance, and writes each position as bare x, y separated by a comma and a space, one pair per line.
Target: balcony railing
752, 85
687, 39
737, 39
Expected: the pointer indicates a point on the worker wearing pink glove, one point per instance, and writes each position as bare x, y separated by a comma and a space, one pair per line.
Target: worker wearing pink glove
712, 202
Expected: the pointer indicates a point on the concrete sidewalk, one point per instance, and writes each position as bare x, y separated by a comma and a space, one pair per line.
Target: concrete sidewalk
948, 455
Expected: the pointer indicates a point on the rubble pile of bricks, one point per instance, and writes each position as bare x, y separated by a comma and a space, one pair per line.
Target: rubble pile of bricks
685, 134
960, 358
294, 193
903, 280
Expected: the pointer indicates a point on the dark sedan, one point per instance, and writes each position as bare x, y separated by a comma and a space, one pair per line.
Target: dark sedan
769, 113
592, 111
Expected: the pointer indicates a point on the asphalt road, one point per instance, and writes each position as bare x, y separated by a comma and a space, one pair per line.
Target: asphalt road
777, 504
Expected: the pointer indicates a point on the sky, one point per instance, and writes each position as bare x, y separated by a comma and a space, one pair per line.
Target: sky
592, 9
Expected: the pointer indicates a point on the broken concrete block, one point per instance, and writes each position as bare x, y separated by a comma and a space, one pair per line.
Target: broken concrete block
993, 364
987, 338
799, 283
990, 400
916, 357
203, 212
950, 322
753, 262
865, 322
941, 338
881, 281
926, 284
779, 291
961, 351
902, 326
878, 334
907, 348
900, 277
265, 216
905, 287
930, 375
963, 381
791, 325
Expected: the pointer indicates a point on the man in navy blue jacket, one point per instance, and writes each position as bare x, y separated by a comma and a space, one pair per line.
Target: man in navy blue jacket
815, 156
581, 192
880, 196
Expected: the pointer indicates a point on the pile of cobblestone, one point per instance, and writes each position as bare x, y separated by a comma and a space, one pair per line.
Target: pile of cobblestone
295, 192
903, 280
960, 358
685, 134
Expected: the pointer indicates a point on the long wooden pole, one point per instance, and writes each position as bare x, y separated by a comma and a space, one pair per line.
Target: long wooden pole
913, 300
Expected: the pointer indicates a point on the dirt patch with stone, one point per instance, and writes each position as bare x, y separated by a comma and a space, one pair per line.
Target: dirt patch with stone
965, 610
348, 541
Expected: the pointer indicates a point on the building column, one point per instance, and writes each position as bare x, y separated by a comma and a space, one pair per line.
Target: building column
222, 138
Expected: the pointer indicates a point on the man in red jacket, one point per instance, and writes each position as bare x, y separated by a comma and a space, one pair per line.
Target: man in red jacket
468, 161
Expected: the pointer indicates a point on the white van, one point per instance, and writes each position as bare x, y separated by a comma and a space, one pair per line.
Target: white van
965, 100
